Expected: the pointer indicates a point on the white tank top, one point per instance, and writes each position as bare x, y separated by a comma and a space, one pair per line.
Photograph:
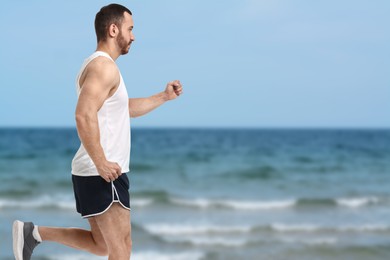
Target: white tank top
114, 126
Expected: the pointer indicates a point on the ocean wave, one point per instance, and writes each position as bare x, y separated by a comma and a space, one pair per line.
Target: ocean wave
146, 199
155, 195
366, 228
185, 229
15, 193
201, 235
279, 227
141, 202
64, 202
318, 241
234, 204
309, 228
47, 202
210, 235
17, 186
208, 241
165, 229
357, 202
204, 203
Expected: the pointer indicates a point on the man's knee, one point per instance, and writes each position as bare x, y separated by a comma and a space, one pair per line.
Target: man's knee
128, 242
123, 244
101, 249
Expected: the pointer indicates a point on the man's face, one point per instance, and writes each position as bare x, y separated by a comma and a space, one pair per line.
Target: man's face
126, 36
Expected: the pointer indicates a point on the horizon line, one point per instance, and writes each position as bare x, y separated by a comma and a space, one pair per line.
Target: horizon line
223, 127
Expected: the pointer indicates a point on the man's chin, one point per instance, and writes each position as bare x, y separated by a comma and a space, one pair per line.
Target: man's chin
125, 51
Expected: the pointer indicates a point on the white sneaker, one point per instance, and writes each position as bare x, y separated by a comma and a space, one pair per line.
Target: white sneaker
23, 240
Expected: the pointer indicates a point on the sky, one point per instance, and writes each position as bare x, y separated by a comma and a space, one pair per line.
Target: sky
243, 63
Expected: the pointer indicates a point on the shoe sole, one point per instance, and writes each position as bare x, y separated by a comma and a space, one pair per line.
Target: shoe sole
18, 239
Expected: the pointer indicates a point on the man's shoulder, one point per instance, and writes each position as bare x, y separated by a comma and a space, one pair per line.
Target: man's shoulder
100, 70
102, 64
102, 67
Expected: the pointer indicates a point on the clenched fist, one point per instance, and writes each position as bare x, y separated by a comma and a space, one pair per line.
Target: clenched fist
174, 89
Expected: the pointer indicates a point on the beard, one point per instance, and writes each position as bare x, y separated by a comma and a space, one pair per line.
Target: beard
123, 44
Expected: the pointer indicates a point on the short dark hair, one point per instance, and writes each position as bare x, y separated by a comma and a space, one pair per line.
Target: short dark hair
110, 14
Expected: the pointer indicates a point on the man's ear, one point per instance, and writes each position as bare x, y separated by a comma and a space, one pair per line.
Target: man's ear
113, 30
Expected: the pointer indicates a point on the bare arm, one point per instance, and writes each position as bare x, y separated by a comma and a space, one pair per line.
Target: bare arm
101, 78
141, 106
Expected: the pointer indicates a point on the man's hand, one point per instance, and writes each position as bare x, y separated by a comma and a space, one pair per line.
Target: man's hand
141, 106
109, 171
173, 89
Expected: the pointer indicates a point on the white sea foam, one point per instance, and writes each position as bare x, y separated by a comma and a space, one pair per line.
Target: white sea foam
201, 235
246, 205
235, 204
357, 202
311, 241
366, 228
210, 240
141, 202
183, 230
321, 241
201, 203
176, 229
343, 228
70, 205
60, 201
295, 228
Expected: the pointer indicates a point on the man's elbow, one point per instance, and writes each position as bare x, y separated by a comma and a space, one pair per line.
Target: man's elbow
79, 117
82, 119
133, 114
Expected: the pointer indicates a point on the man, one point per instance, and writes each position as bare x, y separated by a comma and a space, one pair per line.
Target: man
100, 165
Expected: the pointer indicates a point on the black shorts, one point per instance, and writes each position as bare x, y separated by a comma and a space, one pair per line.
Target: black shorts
94, 195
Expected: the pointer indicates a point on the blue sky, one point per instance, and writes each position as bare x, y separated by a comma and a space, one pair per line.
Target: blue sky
243, 63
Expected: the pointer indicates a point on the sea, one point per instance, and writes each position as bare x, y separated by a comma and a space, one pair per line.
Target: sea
216, 194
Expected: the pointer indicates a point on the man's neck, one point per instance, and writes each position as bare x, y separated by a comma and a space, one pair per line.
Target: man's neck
110, 50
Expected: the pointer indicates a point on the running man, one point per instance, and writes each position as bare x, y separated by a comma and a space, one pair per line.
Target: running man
99, 168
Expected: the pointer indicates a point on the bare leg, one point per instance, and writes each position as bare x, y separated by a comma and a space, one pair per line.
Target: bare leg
115, 227
110, 234
90, 241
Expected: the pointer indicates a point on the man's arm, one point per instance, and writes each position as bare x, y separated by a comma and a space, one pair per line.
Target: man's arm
141, 106
101, 77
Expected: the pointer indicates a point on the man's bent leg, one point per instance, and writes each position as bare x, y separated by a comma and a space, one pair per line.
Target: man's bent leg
90, 241
98, 237
115, 227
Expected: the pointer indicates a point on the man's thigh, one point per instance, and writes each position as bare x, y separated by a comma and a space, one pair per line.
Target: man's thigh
97, 235
114, 224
